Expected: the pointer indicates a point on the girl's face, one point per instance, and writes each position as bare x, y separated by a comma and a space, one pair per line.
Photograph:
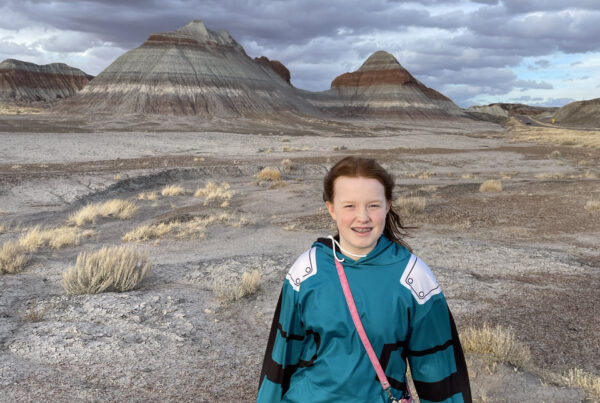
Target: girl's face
359, 208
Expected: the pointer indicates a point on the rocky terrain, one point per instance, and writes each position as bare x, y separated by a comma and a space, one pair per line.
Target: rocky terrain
29, 83
584, 114
189, 109
524, 257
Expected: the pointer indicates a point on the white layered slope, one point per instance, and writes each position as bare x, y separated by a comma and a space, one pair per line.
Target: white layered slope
382, 88
196, 71
24, 82
191, 70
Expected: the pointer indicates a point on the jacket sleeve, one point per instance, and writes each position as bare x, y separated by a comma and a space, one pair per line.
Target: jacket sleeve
434, 352
284, 348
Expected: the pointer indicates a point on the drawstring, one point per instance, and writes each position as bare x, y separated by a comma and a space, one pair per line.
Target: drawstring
334, 242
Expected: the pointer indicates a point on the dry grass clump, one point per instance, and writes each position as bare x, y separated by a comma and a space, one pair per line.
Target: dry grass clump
212, 191
550, 175
228, 292
407, 206
172, 190
7, 109
286, 149
557, 136
1, 229
269, 174
192, 229
419, 175
56, 238
580, 379
496, 342
110, 269
122, 209
287, 165
148, 196
13, 258
491, 185
555, 154
35, 313
592, 205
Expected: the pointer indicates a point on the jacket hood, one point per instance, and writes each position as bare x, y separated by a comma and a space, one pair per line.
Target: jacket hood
384, 253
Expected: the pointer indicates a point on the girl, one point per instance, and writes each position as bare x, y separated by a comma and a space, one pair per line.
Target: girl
315, 353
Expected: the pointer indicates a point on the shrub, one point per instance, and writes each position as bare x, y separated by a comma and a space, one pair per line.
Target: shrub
212, 191
592, 205
148, 196
491, 185
287, 165
191, 229
407, 206
498, 343
56, 238
123, 209
269, 174
228, 292
579, 378
172, 190
109, 269
13, 258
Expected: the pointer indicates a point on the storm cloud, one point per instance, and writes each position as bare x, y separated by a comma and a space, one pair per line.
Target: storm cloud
468, 50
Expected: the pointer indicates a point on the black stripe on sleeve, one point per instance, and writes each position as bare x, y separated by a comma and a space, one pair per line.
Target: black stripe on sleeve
275, 371
457, 382
432, 350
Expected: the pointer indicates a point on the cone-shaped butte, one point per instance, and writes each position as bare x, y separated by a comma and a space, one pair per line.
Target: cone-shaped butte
381, 87
191, 71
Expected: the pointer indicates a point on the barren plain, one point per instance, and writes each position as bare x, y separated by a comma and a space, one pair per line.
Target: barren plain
525, 258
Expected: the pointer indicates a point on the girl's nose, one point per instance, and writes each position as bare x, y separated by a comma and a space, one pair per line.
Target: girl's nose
363, 215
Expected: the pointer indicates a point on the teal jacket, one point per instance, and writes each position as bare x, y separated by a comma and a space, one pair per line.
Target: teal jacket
314, 353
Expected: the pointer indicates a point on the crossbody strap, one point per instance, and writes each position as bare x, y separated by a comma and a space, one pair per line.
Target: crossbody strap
361, 331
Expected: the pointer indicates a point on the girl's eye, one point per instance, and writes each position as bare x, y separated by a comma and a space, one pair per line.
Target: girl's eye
374, 206
348, 205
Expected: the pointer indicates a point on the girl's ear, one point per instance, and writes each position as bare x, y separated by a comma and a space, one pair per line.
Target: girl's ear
331, 210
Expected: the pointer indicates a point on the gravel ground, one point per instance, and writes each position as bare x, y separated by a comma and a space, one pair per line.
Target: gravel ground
524, 258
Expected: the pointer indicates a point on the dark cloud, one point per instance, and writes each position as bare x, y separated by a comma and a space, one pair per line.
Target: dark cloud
463, 52
528, 6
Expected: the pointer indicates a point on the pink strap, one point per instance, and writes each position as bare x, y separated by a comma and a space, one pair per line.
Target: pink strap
361, 330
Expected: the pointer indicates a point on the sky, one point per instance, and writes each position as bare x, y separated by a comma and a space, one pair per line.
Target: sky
476, 52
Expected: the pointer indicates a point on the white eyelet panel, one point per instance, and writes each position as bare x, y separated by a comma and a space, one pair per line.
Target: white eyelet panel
304, 267
419, 279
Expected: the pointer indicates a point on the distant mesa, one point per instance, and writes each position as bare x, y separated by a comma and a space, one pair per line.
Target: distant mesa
190, 71
29, 83
196, 71
508, 109
585, 114
381, 87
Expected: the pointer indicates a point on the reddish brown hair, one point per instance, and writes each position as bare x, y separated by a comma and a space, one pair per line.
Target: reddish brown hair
355, 167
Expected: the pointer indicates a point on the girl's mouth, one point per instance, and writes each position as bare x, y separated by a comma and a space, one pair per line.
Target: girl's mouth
362, 230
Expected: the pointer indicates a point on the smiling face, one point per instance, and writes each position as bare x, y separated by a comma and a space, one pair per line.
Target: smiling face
359, 208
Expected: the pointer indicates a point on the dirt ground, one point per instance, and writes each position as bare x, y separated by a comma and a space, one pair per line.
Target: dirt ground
525, 257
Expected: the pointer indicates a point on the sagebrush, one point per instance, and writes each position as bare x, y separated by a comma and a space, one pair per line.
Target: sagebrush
116, 268
13, 258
